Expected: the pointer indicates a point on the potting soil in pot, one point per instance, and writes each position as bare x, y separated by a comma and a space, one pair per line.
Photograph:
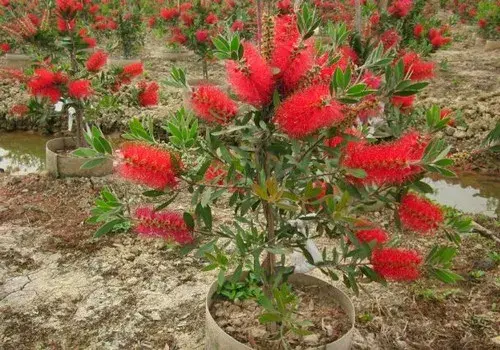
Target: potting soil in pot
316, 305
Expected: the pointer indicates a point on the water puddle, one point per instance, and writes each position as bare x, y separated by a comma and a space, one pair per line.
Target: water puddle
470, 193
22, 152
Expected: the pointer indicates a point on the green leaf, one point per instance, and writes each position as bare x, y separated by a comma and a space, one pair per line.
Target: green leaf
446, 275
85, 153
93, 163
270, 317
188, 219
107, 227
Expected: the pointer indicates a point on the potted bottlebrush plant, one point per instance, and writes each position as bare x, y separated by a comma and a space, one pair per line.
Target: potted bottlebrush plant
74, 84
488, 20
298, 164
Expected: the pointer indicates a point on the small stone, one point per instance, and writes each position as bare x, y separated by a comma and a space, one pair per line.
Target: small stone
257, 332
311, 339
155, 316
460, 134
230, 329
496, 340
450, 130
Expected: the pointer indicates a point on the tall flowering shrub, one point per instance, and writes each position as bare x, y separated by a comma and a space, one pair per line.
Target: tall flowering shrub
275, 162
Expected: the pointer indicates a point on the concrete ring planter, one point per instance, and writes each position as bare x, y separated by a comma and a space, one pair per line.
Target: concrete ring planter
177, 55
492, 45
218, 339
17, 60
66, 165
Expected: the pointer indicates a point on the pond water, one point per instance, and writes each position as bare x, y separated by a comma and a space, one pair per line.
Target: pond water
24, 153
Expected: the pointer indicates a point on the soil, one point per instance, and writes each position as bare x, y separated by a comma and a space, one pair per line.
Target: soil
316, 305
60, 288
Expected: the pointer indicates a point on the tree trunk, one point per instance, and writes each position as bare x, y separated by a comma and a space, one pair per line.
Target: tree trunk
205, 68
259, 23
358, 24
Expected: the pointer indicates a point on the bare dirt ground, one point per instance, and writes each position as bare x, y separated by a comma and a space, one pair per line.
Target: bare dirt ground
61, 289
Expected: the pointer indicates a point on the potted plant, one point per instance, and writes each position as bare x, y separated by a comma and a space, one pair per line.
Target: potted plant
72, 82
296, 165
488, 19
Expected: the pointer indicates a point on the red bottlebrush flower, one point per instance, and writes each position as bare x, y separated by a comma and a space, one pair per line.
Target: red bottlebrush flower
80, 89
215, 174
177, 36
286, 36
96, 61
446, 113
169, 14
45, 83
387, 163
403, 102
5, 47
187, 19
148, 94
162, 224
390, 38
349, 52
149, 165
482, 23
34, 19
439, 41
416, 68
94, 9
91, 42
371, 80
252, 80
307, 111
400, 8
419, 214
5, 3
213, 105
201, 35
19, 110
302, 60
418, 30
151, 21
378, 235
65, 25
335, 141
211, 18
186, 6
237, 26
112, 25
131, 71
374, 19
397, 264
285, 7
433, 32
68, 8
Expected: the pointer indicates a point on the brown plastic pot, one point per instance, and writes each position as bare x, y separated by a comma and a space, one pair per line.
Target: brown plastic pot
17, 60
66, 165
492, 45
217, 339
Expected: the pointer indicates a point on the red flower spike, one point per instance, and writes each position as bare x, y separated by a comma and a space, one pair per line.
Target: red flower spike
19, 110
133, 70
416, 67
378, 235
403, 102
390, 38
96, 61
80, 89
148, 94
150, 166
419, 214
307, 111
400, 8
45, 83
397, 264
253, 83
388, 163
211, 18
215, 174
201, 35
298, 66
213, 105
237, 26
4, 47
162, 224
169, 14
418, 31
286, 36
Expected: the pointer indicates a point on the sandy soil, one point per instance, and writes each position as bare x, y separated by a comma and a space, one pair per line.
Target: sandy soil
61, 289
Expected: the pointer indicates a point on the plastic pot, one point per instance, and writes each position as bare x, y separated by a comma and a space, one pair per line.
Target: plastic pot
66, 165
217, 339
492, 45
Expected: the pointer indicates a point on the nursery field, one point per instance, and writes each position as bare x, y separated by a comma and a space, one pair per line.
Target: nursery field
233, 145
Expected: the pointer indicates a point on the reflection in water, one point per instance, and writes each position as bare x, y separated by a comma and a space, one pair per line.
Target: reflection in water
470, 193
22, 152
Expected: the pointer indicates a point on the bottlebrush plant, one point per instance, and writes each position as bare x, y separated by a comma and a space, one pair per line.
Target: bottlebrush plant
298, 151
76, 81
488, 19
120, 20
